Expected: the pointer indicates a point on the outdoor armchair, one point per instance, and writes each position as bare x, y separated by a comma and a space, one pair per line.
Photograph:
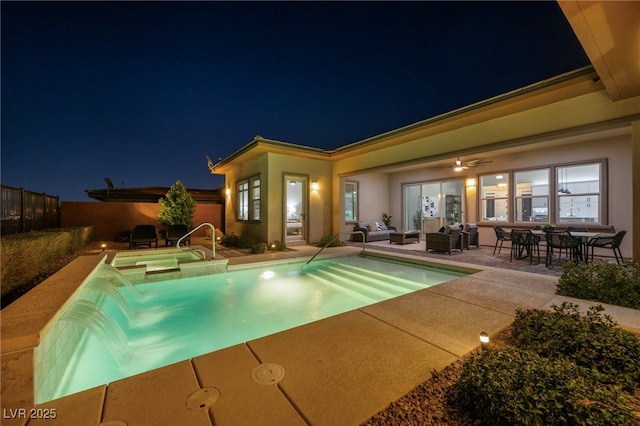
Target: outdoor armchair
445, 241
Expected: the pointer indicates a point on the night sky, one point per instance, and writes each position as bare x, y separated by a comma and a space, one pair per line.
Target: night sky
140, 92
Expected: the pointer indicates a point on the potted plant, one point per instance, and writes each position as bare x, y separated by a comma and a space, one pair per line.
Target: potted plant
386, 219
548, 227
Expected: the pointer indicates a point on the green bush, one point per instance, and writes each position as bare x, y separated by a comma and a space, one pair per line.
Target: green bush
25, 256
177, 206
230, 240
591, 340
513, 386
603, 282
566, 368
334, 243
277, 246
259, 248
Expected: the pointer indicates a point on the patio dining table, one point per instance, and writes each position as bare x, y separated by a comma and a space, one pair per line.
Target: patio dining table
584, 238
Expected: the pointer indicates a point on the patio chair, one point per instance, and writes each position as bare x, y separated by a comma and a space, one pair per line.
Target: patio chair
175, 232
450, 239
470, 236
612, 243
143, 235
562, 241
501, 237
524, 241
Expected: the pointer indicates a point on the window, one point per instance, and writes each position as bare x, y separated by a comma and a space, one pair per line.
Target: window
351, 201
532, 196
248, 189
579, 193
494, 197
255, 198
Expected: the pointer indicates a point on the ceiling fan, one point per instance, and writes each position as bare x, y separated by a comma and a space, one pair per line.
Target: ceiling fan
459, 166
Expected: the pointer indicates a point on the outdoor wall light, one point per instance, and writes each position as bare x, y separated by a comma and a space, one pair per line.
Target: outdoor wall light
484, 340
471, 182
314, 186
228, 191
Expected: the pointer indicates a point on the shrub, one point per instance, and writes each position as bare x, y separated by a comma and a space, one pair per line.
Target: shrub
334, 242
258, 248
25, 256
591, 340
277, 246
230, 240
513, 386
602, 281
177, 206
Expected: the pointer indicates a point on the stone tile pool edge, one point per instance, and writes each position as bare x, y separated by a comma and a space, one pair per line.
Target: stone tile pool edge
160, 395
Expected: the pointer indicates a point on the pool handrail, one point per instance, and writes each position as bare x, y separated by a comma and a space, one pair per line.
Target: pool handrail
322, 248
213, 239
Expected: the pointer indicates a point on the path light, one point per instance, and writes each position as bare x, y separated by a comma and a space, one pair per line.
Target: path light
273, 246
484, 340
103, 246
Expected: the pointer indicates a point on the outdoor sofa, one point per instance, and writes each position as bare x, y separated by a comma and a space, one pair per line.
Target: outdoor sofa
373, 231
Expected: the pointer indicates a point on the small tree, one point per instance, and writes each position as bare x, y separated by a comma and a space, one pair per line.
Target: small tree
177, 206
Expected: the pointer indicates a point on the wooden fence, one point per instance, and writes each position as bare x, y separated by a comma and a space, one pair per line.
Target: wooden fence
25, 211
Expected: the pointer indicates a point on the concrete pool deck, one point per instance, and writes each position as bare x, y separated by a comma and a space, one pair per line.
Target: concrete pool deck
337, 371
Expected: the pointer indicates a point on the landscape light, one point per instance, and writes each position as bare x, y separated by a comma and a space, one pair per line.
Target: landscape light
484, 340
103, 246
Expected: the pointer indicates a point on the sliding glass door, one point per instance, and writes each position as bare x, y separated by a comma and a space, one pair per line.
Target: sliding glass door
430, 205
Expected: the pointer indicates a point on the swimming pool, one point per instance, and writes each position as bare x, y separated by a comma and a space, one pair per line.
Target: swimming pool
127, 329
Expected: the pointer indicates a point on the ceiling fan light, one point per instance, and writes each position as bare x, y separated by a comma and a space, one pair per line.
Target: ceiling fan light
458, 168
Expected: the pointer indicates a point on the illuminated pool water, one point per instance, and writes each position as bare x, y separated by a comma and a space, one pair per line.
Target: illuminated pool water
132, 329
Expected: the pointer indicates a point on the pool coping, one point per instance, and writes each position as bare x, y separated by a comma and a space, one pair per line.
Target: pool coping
410, 335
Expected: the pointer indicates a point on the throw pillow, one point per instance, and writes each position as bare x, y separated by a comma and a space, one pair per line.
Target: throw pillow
441, 230
372, 226
379, 226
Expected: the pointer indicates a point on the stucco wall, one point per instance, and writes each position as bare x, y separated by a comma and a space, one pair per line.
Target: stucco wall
113, 220
272, 168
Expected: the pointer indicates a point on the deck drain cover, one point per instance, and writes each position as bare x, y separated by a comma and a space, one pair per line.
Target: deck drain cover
267, 374
203, 399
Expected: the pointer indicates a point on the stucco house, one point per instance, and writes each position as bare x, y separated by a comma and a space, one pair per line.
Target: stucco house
565, 150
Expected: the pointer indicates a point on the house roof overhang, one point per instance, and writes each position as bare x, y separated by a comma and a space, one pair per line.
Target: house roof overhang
260, 146
609, 32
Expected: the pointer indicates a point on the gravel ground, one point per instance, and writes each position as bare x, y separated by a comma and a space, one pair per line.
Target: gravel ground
432, 402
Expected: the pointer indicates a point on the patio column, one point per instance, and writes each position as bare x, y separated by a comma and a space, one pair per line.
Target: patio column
635, 176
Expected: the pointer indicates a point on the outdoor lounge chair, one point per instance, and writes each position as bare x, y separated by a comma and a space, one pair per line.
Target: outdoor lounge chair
175, 232
612, 243
143, 235
445, 241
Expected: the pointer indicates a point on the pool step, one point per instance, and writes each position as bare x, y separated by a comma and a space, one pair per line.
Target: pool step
378, 278
375, 285
342, 288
